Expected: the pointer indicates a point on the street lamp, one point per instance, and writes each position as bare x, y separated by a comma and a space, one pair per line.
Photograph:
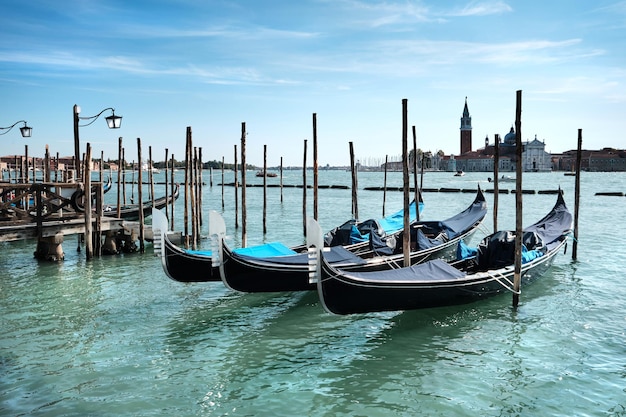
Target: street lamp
113, 122
25, 130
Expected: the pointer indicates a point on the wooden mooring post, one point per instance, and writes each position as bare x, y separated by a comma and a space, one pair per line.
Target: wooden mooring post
416, 184
244, 229
496, 173
353, 169
406, 242
385, 184
264, 189
87, 193
577, 194
304, 189
517, 273
315, 167
140, 197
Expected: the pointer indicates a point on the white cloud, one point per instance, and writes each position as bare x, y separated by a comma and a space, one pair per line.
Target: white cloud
483, 9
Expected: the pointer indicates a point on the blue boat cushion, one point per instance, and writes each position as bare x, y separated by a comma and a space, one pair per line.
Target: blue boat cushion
352, 232
464, 251
498, 250
199, 252
395, 222
335, 255
266, 250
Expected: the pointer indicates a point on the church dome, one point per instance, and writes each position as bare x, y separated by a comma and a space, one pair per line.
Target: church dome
509, 138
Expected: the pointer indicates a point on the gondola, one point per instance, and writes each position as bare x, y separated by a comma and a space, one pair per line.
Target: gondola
107, 187
435, 283
182, 265
185, 265
262, 173
251, 271
131, 212
127, 212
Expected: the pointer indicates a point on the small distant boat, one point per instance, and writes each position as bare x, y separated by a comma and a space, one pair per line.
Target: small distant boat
570, 174
504, 178
262, 173
459, 174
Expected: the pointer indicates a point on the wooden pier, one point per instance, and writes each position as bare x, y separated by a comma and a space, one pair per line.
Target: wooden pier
48, 212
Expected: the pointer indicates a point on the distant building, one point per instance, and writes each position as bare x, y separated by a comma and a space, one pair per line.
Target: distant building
534, 156
605, 160
466, 130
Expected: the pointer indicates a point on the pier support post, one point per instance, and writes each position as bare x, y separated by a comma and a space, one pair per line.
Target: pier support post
110, 244
50, 248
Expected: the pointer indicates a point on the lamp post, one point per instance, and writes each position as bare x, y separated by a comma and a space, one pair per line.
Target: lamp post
25, 130
113, 122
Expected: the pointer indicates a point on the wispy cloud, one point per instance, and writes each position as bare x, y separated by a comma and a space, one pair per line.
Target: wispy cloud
230, 31
610, 89
383, 13
397, 58
483, 8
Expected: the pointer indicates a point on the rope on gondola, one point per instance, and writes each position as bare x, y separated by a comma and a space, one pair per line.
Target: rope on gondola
505, 286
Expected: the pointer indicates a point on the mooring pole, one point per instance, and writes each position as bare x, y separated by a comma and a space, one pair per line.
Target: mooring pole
406, 238
99, 213
140, 197
87, 194
315, 167
151, 174
195, 213
264, 189
173, 186
355, 200
577, 193
192, 190
123, 178
120, 172
385, 184
244, 230
199, 191
281, 179
223, 184
517, 274
165, 182
417, 188
236, 183
186, 197
304, 189
496, 173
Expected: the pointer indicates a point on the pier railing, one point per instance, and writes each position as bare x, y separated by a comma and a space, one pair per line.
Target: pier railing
43, 210
39, 202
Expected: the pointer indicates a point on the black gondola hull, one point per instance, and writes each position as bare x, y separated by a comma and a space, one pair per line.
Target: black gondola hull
341, 295
438, 283
182, 266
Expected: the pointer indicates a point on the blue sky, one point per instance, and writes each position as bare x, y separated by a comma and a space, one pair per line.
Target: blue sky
213, 64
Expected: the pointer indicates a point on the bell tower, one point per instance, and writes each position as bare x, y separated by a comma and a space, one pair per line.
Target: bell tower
466, 130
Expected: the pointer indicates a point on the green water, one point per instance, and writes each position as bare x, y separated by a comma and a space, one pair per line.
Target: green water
114, 336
